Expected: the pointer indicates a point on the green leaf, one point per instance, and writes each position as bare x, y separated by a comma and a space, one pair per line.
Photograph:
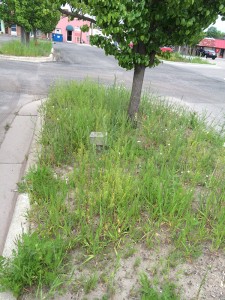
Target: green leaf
177, 22
183, 22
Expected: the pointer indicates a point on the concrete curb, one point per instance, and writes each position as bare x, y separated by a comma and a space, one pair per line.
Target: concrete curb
28, 58
20, 224
192, 65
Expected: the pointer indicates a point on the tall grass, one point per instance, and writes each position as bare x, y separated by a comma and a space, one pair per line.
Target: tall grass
41, 48
166, 173
177, 57
168, 170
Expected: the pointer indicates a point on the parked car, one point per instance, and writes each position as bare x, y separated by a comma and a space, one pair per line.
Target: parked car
166, 49
210, 54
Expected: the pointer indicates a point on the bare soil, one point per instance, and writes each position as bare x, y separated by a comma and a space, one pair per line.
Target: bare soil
119, 274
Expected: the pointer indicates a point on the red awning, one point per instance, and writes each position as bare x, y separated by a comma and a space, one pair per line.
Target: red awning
212, 43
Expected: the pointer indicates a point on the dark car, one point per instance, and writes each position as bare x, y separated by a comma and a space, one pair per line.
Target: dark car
210, 54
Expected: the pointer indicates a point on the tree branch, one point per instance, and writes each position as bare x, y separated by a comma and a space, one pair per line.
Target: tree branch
77, 15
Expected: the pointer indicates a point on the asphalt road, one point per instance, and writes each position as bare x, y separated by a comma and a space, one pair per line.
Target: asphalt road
202, 87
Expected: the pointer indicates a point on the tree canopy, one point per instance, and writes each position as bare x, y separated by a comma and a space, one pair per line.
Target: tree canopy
133, 31
213, 32
30, 14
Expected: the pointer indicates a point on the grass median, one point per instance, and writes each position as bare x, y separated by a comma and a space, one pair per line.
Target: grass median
166, 175
33, 49
177, 57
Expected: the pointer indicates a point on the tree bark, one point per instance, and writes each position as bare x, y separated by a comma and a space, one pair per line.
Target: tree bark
77, 15
23, 38
135, 98
27, 34
35, 36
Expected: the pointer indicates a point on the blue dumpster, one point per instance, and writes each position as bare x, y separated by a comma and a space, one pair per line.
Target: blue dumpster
56, 37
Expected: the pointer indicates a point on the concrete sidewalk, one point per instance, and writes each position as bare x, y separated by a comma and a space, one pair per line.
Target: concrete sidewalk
14, 153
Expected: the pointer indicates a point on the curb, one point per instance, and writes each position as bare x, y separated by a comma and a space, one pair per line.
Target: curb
19, 223
29, 58
186, 64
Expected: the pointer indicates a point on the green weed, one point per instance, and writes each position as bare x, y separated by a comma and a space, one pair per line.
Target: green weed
129, 251
148, 292
7, 126
42, 48
36, 261
137, 262
90, 283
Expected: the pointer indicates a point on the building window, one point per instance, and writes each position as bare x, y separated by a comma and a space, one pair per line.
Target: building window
13, 27
13, 30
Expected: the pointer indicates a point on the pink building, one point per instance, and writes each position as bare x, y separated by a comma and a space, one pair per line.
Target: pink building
71, 32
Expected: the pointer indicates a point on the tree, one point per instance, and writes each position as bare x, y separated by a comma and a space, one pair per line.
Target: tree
147, 25
212, 32
30, 15
191, 45
7, 12
84, 28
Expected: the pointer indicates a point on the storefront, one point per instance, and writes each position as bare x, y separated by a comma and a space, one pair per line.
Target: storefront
71, 30
213, 44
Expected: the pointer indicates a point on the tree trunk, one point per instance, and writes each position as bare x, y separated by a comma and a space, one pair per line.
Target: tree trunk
135, 98
35, 36
187, 50
23, 38
27, 38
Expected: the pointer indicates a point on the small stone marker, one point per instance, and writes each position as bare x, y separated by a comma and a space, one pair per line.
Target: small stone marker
98, 138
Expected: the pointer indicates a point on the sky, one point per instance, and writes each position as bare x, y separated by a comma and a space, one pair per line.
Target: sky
220, 25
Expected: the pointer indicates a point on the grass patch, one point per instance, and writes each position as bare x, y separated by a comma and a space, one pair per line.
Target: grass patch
15, 48
35, 262
148, 292
177, 57
167, 174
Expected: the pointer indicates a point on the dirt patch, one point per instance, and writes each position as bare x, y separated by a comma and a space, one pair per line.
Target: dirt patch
118, 274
